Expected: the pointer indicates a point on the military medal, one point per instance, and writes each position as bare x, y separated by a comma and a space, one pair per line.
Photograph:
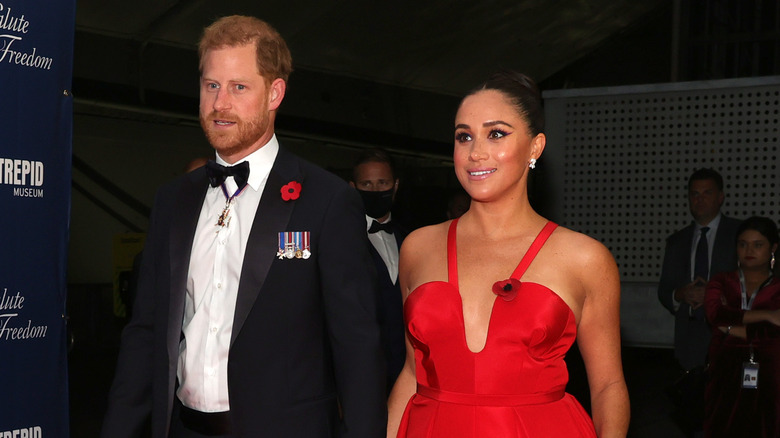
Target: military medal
294, 244
223, 220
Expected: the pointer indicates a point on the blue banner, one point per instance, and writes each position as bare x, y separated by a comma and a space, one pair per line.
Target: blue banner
36, 112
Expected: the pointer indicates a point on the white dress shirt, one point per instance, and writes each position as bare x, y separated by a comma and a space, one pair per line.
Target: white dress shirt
212, 285
386, 246
694, 243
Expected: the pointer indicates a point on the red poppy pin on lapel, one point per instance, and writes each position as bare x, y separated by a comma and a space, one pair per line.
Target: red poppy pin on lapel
291, 191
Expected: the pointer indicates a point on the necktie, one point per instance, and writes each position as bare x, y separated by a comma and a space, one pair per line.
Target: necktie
376, 227
701, 267
217, 173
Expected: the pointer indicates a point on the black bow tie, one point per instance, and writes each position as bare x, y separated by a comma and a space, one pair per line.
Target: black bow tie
217, 173
376, 227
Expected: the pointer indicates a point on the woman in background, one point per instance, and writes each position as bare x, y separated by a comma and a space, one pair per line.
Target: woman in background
743, 307
487, 336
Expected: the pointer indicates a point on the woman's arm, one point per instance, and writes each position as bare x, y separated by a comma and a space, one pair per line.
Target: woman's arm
719, 313
734, 330
599, 342
404, 388
406, 384
771, 316
729, 320
751, 317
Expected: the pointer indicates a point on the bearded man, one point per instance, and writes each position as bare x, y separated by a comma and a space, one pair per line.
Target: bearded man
255, 313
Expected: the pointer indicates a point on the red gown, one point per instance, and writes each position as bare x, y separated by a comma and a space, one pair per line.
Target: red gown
515, 386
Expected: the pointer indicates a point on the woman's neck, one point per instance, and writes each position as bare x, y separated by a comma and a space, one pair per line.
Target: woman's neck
502, 220
756, 275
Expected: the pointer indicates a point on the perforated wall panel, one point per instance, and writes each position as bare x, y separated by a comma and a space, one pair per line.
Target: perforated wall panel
624, 155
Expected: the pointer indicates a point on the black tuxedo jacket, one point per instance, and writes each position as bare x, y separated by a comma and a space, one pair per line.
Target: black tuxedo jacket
305, 356
390, 312
691, 332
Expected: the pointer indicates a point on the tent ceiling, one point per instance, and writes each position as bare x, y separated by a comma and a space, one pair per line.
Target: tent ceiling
427, 51
443, 46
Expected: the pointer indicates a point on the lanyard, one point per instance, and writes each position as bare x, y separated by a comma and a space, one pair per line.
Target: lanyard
747, 305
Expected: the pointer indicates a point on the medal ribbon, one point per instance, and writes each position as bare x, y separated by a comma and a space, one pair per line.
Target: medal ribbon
222, 220
237, 192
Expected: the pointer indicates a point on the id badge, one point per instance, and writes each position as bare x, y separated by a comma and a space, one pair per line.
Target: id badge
750, 375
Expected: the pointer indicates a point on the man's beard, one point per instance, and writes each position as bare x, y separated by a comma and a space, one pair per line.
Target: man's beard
230, 143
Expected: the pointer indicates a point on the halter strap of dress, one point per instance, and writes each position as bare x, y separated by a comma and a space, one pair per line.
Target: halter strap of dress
452, 252
530, 255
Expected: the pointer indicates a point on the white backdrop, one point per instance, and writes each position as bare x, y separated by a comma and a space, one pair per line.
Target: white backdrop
619, 160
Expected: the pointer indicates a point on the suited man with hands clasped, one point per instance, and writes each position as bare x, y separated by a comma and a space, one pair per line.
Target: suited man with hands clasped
375, 177
702, 249
255, 314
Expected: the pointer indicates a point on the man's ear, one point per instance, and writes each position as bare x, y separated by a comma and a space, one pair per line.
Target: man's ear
276, 93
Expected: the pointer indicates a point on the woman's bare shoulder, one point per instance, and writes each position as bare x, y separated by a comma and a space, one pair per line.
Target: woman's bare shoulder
426, 236
423, 257
589, 267
580, 247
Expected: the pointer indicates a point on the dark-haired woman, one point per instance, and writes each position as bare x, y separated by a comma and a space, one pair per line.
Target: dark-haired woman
494, 299
743, 308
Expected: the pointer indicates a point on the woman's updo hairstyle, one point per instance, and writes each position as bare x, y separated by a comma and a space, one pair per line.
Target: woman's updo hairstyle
524, 94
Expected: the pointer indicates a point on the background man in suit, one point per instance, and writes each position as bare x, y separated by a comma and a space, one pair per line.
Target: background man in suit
695, 253
256, 310
375, 178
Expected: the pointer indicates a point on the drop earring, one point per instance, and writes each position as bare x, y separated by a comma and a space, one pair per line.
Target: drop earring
772, 263
532, 163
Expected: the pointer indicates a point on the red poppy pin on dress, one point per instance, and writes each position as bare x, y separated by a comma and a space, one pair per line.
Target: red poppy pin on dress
507, 289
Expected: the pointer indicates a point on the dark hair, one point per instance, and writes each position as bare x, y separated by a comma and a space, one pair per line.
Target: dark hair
706, 174
767, 227
273, 56
524, 94
374, 155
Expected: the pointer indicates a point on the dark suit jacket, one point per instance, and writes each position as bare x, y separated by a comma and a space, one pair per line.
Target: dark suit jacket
691, 331
391, 314
305, 341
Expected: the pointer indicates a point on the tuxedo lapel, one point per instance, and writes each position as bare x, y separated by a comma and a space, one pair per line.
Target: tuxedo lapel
272, 217
399, 235
686, 243
185, 216
381, 268
723, 251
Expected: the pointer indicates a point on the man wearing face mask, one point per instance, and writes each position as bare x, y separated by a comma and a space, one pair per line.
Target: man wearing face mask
374, 177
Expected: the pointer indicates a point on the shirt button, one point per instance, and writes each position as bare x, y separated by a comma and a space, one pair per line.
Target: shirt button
219, 285
214, 330
210, 371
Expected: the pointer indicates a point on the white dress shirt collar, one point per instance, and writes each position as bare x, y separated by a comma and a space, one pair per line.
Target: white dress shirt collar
387, 247
370, 220
260, 162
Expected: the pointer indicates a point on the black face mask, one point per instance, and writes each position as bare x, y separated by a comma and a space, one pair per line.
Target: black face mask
377, 204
